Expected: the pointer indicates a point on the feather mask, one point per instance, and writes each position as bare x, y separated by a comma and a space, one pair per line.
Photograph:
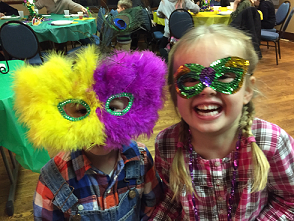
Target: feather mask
75, 103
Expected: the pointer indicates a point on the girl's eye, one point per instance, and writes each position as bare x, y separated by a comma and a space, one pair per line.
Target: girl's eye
119, 104
227, 77
189, 82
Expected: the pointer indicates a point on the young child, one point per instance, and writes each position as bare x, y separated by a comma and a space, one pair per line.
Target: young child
124, 41
90, 113
219, 162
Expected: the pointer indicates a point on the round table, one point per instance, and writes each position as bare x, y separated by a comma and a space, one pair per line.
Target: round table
12, 133
201, 18
79, 29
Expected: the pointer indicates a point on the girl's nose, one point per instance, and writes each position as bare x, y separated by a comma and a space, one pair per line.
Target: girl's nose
208, 91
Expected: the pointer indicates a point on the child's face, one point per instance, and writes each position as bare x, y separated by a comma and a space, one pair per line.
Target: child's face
211, 111
99, 150
120, 8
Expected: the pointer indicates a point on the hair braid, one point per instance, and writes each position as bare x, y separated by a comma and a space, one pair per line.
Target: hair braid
259, 161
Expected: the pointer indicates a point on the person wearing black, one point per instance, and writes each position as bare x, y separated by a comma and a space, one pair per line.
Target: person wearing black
7, 9
268, 11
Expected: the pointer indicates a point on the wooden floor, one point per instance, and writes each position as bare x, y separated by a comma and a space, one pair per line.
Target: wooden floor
275, 105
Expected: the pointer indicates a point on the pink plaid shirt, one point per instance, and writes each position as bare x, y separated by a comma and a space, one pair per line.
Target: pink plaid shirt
213, 179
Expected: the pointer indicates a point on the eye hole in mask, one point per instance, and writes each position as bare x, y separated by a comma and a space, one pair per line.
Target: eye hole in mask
119, 104
73, 109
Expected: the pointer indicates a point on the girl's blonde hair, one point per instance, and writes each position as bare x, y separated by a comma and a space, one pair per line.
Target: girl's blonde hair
179, 173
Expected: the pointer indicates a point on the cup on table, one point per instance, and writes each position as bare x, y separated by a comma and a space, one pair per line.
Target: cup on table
21, 14
37, 11
66, 12
81, 15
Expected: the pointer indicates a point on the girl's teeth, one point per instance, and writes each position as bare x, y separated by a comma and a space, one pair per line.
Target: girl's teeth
212, 113
207, 107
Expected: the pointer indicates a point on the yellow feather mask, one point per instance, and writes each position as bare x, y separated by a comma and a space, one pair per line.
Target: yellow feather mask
41, 90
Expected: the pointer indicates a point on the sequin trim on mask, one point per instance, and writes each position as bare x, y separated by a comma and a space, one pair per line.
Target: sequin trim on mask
61, 105
119, 112
225, 75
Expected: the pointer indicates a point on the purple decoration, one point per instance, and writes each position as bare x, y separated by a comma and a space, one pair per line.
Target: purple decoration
141, 74
207, 76
233, 181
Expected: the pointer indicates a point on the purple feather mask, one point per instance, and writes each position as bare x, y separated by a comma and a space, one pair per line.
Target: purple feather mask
130, 85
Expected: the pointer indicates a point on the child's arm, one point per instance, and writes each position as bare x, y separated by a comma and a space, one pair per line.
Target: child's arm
166, 210
280, 205
153, 191
43, 207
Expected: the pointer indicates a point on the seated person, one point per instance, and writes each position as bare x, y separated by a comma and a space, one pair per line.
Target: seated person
58, 6
268, 11
124, 41
240, 5
164, 10
6, 9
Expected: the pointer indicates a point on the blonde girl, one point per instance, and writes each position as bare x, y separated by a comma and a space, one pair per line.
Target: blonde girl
219, 162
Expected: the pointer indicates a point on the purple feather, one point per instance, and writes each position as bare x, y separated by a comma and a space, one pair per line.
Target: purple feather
141, 74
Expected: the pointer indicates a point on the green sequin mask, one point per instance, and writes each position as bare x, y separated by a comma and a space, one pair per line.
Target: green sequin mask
74, 109
224, 75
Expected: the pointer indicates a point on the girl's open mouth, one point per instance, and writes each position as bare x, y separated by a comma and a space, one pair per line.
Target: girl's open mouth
208, 110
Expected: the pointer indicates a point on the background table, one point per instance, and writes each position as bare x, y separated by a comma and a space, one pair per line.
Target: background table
60, 34
12, 133
201, 18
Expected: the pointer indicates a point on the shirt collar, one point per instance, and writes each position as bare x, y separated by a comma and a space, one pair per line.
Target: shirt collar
81, 164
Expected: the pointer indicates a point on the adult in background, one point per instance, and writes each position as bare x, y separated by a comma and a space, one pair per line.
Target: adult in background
268, 11
240, 5
58, 6
166, 7
6, 9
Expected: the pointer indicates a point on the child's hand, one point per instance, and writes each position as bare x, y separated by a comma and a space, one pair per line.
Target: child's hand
153, 23
1, 15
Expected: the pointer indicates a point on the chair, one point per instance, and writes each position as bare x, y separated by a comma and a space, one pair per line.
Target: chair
281, 15
150, 36
269, 36
180, 21
19, 41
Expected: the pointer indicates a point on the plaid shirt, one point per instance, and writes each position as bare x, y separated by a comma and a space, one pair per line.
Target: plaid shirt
76, 169
213, 178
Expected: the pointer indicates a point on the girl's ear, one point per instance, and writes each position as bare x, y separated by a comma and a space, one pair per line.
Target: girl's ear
249, 91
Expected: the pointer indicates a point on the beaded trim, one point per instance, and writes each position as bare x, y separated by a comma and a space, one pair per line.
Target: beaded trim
124, 111
233, 182
73, 101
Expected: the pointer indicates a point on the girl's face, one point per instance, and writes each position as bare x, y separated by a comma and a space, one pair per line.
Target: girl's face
211, 111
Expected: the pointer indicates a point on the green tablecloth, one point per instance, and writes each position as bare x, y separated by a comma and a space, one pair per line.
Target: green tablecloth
59, 34
201, 18
12, 134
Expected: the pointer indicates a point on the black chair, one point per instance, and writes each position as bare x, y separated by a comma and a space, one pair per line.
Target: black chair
151, 36
248, 21
270, 36
19, 41
180, 22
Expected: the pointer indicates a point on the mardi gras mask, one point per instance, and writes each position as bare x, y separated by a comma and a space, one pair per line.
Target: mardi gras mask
224, 75
105, 101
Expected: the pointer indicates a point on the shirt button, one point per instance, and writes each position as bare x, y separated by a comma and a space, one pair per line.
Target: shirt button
80, 207
218, 182
220, 198
108, 191
217, 164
